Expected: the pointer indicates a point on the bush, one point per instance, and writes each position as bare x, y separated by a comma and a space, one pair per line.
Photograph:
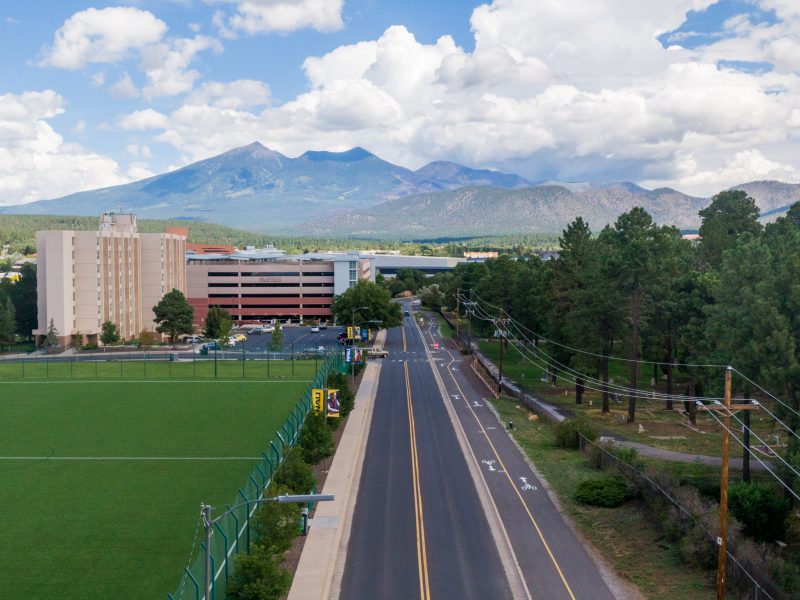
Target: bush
316, 440
760, 510
340, 381
567, 432
258, 576
295, 474
275, 524
607, 492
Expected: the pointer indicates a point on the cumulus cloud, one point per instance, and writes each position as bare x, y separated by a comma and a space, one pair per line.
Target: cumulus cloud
113, 35
106, 35
242, 93
553, 89
265, 16
124, 88
143, 119
35, 161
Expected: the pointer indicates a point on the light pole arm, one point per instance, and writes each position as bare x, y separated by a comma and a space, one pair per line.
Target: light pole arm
286, 499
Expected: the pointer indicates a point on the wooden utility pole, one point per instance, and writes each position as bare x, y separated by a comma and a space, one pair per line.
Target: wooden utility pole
722, 540
458, 311
469, 324
502, 339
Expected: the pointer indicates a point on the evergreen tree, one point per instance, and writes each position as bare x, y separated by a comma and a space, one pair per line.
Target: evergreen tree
276, 341
730, 214
8, 324
214, 323
51, 341
174, 315
109, 333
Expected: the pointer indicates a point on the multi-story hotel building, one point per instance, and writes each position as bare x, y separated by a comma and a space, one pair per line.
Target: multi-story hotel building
116, 274
260, 285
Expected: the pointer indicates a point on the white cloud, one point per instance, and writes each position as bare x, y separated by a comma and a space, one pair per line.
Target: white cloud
242, 93
107, 35
12, 21
138, 170
143, 119
166, 65
80, 127
264, 16
35, 161
124, 88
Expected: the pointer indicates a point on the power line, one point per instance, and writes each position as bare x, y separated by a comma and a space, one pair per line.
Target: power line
588, 353
778, 400
551, 363
783, 483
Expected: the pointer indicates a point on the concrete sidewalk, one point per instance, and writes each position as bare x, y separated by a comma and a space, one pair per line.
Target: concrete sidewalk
319, 574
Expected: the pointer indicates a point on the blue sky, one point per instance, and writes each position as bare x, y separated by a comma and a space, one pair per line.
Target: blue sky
694, 94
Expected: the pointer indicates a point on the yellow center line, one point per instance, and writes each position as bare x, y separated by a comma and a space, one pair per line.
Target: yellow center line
422, 558
510, 480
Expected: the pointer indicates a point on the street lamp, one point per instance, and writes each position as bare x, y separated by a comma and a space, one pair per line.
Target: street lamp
208, 524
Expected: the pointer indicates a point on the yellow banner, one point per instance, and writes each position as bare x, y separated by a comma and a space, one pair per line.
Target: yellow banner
317, 401
333, 404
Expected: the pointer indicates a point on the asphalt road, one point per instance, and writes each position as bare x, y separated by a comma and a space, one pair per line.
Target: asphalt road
419, 530
553, 562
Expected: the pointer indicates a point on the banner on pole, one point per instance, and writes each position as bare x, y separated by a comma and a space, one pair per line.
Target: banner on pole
365, 335
358, 356
318, 401
333, 403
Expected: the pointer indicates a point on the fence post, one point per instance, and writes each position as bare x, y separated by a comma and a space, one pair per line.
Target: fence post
225, 548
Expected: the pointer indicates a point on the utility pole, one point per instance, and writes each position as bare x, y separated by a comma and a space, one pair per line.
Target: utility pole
469, 323
502, 343
722, 540
727, 409
458, 311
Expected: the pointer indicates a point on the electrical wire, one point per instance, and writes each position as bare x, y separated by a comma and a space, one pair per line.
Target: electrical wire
554, 365
586, 352
755, 435
778, 400
784, 425
733, 434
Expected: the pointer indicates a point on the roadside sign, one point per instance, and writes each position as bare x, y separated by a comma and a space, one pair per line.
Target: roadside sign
333, 404
318, 401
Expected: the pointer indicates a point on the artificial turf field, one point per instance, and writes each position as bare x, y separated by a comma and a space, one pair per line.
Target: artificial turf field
105, 501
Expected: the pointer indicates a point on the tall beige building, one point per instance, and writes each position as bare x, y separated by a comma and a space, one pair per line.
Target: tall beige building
115, 274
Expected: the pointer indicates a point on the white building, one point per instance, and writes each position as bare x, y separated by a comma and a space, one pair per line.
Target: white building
115, 274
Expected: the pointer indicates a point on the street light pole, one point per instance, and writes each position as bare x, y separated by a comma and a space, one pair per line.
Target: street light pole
208, 524
352, 346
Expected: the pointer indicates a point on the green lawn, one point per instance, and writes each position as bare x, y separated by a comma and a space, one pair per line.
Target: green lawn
623, 536
114, 523
137, 368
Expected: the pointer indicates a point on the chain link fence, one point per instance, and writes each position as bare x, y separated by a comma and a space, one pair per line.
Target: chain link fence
157, 365
231, 534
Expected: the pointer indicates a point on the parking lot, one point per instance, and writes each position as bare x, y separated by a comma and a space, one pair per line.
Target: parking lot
297, 338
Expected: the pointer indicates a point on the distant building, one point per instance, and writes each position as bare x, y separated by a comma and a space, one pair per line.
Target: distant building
261, 285
477, 256
116, 274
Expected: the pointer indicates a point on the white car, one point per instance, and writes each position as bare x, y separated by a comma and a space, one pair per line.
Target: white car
315, 329
232, 341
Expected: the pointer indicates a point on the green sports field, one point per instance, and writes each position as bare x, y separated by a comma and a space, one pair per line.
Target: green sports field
101, 482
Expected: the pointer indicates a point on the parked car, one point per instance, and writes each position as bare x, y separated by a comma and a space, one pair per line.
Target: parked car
232, 341
268, 329
315, 329
256, 331
192, 339
240, 337
323, 325
377, 352
213, 345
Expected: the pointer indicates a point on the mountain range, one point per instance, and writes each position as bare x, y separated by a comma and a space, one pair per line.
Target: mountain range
356, 193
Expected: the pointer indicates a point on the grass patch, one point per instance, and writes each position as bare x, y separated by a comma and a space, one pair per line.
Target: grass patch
157, 369
445, 330
622, 535
97, 529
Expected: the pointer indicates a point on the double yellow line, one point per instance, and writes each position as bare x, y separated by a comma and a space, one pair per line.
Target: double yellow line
422, 558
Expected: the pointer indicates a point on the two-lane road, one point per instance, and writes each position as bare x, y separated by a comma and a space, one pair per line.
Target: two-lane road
419, 530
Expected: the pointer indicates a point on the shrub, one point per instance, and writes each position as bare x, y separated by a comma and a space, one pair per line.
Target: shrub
760, 510
275, 524
567, 432
258, 576
607, 492
316, 440
295, 474
340, 381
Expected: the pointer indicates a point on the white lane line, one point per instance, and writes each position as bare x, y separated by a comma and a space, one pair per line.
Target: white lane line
131, 457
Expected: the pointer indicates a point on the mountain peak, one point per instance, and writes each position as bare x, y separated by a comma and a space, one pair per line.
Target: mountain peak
352, 155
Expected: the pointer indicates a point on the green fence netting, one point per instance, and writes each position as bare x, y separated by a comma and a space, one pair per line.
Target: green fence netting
231, 535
